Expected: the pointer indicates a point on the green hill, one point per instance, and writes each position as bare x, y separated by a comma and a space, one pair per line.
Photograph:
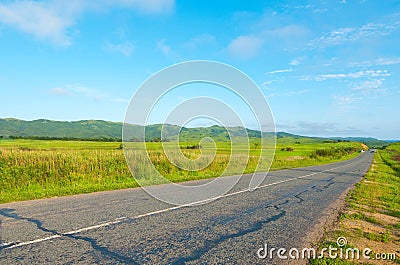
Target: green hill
85, 129
112, 131
99, 129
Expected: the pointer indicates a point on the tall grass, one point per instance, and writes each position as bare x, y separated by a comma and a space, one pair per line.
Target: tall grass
37, 169
30, 174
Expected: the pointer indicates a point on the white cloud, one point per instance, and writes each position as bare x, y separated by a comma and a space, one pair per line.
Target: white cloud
345, 100
122, 100
288, 94
317, 128
287, 37
353, 75
203, 39
125, 48
145, 6
369, 86
343, 35
59, 91
301, 6
44, 20
52, 20
245, 47
163, 47
320, 10
367, 74
379, 61
86, 91
78, 90
360, 91
265, 86
288, 32
279, 71
296, 61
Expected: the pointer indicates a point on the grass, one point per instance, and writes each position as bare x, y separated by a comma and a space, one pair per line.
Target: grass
372, 217
32, 169
358, 216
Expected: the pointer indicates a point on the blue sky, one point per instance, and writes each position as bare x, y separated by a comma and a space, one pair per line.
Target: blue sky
327, 68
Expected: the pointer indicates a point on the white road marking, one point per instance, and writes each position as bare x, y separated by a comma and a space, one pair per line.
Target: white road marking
121, 219
6, 244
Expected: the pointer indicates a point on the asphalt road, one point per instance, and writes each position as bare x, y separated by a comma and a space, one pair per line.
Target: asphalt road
131, 227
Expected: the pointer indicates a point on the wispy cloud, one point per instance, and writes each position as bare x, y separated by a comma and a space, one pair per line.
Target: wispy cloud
320, 10
266, 86
287, 37
345, 100
167, 50
360, 91
125, 48
352, 75
52, 20
287, 32
343, 35
376, 62
369, 86
289, 93
79, 90
59, 91
122, 100
367, 74
315, 128
245, 47
325, 128
296, 61
163, 47
85, 91
145, 6
201, 40
279, 71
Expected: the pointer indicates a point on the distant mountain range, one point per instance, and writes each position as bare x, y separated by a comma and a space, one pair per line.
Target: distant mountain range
112, 131
85, 129
371, 142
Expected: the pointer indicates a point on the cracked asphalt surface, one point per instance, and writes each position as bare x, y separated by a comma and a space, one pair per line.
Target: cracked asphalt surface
229, 230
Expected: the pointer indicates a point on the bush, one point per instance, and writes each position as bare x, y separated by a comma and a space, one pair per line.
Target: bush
333, 152
288, 149
193, 146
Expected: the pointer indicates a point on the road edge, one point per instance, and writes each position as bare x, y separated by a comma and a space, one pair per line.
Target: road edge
328, 219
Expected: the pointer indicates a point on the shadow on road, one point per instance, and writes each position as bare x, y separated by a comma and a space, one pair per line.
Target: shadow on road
10, 213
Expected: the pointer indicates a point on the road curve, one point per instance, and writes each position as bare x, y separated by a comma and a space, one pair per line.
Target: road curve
130, 227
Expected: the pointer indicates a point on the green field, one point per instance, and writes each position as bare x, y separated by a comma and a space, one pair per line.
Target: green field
372, 217
31, 169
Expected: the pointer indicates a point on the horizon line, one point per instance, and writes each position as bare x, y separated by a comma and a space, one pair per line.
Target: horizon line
205, 126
